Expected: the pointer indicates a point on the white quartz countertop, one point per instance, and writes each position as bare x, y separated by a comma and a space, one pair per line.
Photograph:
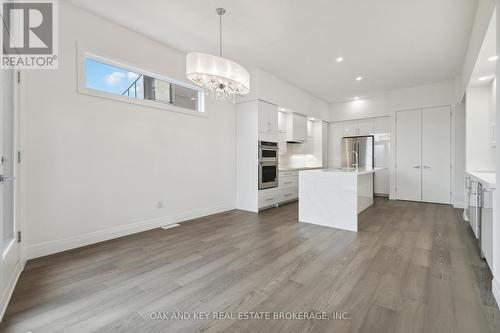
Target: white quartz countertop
360, 171
288, 168
486, 178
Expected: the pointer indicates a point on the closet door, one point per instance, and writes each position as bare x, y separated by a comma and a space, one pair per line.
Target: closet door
408, 155
436, 155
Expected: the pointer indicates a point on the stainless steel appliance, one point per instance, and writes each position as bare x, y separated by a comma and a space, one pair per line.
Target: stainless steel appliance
467, 198
268, 164
487, 224
357, 152
473, 211
475, 202
268, 151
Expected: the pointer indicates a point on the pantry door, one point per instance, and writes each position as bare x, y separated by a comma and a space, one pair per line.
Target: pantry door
408, 155
436, 155
10, 263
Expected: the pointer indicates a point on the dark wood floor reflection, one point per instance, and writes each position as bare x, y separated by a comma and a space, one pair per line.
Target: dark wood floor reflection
413, 267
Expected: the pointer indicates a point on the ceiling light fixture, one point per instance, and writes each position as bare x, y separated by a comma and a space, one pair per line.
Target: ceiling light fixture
220, 77
355, 97
340, 59
484, 78
493, 58
359, 78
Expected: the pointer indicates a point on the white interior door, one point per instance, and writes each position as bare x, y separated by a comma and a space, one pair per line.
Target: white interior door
10, 265
436, 155
408, 155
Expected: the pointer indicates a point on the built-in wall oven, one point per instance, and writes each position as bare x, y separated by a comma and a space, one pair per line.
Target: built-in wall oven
268, 151
268, 164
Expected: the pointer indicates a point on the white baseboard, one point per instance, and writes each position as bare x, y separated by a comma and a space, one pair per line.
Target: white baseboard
495, 288
46, 248
10, 285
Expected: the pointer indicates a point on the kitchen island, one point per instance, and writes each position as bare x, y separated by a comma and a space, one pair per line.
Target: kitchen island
335, 197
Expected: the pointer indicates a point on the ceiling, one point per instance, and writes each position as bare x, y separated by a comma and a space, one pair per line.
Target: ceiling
390, 43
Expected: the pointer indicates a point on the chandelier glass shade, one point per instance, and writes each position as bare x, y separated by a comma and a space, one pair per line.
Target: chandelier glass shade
218, 76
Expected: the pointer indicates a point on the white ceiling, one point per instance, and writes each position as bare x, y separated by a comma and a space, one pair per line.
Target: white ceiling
390, 43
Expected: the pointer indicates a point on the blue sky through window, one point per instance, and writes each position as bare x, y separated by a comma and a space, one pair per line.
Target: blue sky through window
108, 78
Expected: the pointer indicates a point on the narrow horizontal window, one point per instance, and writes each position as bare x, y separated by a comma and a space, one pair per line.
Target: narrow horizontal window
133, 84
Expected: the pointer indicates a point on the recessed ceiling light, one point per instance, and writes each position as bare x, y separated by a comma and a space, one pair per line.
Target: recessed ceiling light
355, 97
493, 58
484, 78
340, 59
359, 78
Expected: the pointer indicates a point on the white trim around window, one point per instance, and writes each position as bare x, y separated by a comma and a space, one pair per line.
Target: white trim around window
83, 54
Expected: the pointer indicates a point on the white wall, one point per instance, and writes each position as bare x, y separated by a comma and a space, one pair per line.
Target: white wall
480, 101
458, 151
269, 88
375, 106
496, 194
95, 168
436, 94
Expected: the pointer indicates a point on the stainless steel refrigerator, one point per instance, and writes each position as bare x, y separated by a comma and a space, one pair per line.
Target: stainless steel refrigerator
357, 151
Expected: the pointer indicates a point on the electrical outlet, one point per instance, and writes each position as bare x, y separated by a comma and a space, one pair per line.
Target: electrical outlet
159, 205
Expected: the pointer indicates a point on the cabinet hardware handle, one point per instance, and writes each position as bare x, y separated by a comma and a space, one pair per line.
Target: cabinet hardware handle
426, 167
416, 167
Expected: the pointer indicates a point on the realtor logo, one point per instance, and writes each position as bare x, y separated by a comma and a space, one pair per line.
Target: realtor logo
29, 36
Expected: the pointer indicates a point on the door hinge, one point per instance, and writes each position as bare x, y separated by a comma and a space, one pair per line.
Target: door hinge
19, 236
18, 156
18, 76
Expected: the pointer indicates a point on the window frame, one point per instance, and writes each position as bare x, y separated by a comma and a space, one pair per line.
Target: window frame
83, 89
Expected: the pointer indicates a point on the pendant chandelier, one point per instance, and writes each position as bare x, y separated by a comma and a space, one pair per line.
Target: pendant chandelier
220, 77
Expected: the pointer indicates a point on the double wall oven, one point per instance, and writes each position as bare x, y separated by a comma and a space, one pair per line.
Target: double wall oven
268, 164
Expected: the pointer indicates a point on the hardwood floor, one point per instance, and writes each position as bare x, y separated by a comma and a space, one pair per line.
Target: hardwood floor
412, 267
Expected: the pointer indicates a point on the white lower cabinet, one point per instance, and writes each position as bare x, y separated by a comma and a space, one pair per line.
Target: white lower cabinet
268, 198
291, 181
288, 186
289, 194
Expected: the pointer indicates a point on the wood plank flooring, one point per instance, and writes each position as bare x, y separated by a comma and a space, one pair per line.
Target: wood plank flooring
412, 267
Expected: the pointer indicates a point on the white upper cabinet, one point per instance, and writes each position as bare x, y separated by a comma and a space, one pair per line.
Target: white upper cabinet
296, 128
358, 127
365, 127
268, 118
310, 129
382, 125
282, 121
350, 128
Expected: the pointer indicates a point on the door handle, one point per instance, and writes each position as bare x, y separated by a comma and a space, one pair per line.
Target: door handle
426, 167
6, 179
416, 167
